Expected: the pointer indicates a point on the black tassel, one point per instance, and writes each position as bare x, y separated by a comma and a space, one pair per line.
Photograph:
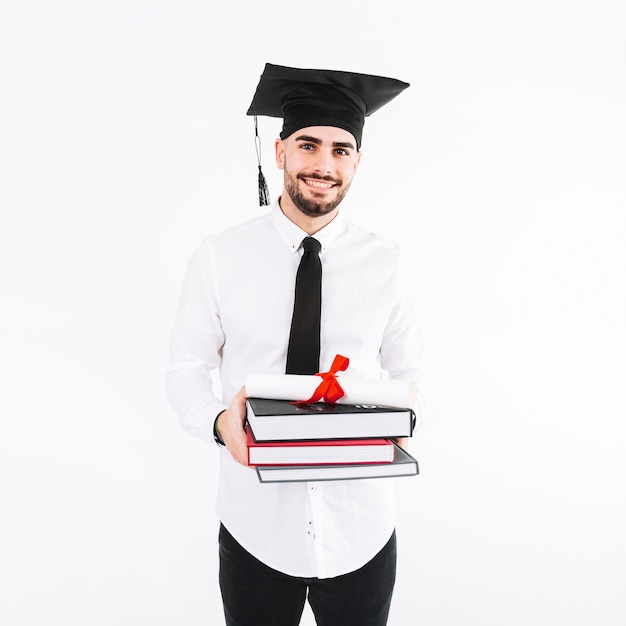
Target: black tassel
264, 192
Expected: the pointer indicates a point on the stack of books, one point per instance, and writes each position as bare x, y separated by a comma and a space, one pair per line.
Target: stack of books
290, 442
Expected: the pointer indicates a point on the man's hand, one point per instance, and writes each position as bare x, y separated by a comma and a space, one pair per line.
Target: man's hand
230, 426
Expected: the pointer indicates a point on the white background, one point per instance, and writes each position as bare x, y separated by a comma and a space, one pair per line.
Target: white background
124, 141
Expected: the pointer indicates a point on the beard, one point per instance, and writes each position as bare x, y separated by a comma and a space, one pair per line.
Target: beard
313, 207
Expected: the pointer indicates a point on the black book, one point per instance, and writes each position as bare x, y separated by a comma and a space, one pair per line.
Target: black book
281, 420
403, 465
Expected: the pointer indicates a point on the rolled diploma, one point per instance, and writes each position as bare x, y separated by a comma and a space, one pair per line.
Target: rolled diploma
294, 387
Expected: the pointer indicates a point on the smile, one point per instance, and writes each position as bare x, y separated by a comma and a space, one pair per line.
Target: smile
318, 184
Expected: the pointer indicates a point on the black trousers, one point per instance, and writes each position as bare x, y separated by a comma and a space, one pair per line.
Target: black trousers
257, 595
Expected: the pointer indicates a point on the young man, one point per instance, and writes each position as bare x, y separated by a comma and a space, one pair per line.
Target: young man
335, 540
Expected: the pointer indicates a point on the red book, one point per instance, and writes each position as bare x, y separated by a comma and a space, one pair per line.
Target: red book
319, 452
403, 465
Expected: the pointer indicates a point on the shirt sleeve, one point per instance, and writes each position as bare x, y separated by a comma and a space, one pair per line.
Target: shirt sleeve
196, 341
404, 352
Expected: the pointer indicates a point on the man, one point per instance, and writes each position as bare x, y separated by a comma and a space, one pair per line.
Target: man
335, 540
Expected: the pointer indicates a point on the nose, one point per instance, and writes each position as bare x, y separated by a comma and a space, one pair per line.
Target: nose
323, 162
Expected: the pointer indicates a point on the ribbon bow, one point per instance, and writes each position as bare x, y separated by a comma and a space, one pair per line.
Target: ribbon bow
329, 388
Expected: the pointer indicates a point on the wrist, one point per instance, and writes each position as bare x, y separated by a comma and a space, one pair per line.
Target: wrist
216, 433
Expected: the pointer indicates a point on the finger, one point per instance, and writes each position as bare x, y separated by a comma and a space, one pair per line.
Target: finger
403, 442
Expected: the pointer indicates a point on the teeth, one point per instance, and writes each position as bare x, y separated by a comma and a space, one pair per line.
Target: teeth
319, 183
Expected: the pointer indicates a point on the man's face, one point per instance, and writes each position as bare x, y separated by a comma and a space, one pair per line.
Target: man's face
319, 163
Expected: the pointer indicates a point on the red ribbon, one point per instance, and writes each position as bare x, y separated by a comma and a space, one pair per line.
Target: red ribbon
329, 388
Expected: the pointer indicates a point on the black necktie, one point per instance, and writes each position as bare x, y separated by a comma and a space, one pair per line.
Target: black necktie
303, 354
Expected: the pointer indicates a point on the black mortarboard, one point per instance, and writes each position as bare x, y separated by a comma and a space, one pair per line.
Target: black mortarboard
309, 97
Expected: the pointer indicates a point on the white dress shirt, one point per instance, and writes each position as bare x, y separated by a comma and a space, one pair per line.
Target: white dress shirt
234, 315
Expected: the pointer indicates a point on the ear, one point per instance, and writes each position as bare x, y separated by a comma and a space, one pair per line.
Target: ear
279, 149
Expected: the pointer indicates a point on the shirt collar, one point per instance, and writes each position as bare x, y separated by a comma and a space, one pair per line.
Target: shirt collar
293, 235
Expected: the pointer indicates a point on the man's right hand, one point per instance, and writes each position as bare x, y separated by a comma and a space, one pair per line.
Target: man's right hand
230, 425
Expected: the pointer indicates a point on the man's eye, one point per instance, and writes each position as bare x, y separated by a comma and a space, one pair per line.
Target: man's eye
307, 146
341, 151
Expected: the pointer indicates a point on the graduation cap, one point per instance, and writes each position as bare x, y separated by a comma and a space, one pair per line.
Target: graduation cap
310, 97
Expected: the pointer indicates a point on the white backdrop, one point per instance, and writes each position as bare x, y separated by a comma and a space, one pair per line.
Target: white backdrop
124, 141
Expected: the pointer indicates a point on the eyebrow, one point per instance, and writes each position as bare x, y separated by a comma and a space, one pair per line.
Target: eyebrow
336, 144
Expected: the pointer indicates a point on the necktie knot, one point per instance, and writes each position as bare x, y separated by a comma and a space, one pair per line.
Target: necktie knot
310, 244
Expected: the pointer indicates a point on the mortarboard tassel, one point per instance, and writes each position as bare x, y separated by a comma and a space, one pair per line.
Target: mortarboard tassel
264, 192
